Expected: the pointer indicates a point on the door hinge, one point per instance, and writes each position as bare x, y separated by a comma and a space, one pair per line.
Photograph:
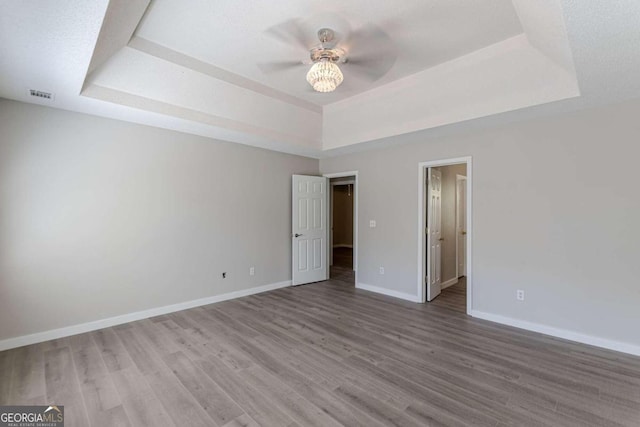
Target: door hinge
426, 230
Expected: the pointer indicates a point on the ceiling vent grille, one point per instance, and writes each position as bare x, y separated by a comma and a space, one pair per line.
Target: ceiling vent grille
40, 94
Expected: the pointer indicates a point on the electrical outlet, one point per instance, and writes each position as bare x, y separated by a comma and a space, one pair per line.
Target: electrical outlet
252, 271
224, 275
372, 223
381, 270
520, 295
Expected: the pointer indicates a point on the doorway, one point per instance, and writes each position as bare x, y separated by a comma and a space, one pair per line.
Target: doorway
343, 220
444, 267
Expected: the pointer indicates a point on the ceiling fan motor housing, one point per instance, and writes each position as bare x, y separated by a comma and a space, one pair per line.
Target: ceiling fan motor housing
320, 53
326, 35
324, 53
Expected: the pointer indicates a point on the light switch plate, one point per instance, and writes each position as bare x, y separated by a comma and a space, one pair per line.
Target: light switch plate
372, 223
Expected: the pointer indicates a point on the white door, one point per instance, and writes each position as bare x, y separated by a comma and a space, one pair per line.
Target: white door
434, 233
461, 224
309, 229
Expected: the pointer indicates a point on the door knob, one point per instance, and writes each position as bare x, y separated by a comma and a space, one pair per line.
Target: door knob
298, 235
441, 239
464, 233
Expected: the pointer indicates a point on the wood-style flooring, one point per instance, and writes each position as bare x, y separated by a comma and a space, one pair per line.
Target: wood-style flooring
324, 354
344, 275
454, 297
343, 257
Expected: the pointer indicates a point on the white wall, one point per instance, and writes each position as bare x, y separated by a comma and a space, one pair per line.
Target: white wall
555, 212
100, 217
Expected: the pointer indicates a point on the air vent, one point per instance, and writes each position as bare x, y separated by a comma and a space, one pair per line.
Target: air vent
40, 94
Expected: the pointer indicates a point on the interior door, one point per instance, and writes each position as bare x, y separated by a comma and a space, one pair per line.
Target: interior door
461, 224
434, 234
309, 229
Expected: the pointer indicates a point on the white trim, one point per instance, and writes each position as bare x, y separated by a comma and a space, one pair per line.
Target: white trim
347, 182
421, 285
448, 283
340, 174
458, 179
387, 292
330, 231
132, 317
559, 333
356, 192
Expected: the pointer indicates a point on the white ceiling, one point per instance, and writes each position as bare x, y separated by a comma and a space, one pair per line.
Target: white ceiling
192, 66
234, 35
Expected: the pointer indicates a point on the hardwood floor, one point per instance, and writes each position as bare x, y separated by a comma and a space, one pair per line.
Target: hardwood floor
343, 257
343, 275
454, 297
323, 355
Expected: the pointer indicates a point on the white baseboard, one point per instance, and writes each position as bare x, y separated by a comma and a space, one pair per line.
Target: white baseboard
132, 317
388, 292
448, 283
560, 333
340, 245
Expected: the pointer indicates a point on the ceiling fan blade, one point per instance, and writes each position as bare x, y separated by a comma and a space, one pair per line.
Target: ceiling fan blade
369, 38
370, 52
292, 32
372, 68
276, 66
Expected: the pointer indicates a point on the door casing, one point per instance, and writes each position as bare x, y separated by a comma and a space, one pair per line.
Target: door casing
420, 280
460, 228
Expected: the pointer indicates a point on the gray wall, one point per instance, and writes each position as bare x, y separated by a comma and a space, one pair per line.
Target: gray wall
555, 211
449, 219
101, 217
342, 215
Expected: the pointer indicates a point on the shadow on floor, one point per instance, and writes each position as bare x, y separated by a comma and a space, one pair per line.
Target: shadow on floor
343, 257
342, 268
342, 274
454, 297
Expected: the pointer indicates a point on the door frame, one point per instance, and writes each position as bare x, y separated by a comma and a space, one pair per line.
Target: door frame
458, 179
422, 167
355, 217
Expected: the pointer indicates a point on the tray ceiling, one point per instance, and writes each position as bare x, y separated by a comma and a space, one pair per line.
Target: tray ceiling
234, 35
194, 66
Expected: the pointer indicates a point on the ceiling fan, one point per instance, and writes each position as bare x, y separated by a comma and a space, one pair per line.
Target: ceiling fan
367, 53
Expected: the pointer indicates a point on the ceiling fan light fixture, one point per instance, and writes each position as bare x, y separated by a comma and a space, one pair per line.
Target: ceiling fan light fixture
325, 76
